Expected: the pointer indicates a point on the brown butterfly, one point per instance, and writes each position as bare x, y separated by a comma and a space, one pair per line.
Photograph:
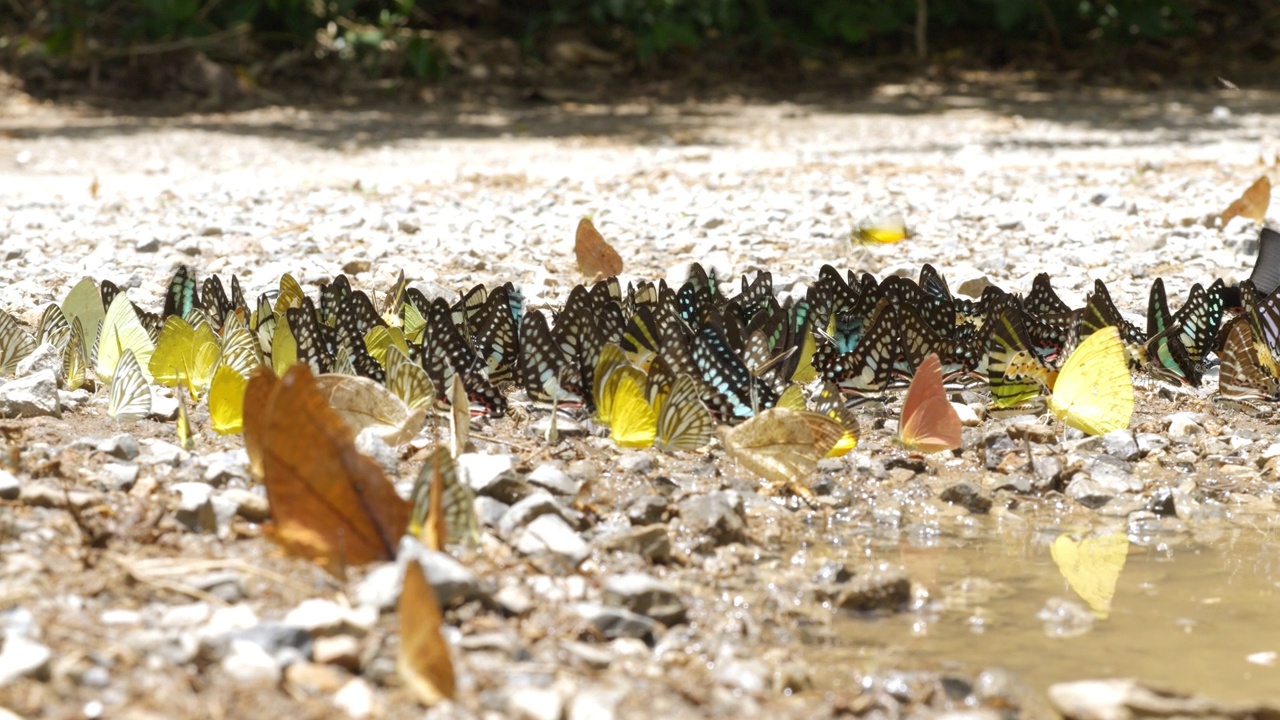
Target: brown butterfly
1252, 204
423, 662
596, 259
783, 446
329, 502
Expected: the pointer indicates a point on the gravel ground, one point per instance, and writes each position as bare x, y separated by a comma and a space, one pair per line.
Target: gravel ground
159, 598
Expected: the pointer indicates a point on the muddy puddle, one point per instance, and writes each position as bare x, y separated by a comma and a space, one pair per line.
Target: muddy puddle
1191, 607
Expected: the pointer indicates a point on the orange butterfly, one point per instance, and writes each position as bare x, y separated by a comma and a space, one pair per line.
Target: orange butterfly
329, 502
596, 258
928, 423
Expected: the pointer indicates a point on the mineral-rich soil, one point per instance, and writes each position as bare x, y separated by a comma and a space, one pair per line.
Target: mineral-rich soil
135, 605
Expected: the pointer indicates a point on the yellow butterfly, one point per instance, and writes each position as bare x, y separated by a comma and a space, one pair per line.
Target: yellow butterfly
379, 338
185, 439
1092, 566
15, 343
830, 402
284, 347
611, 360
226, 400
185, 355
415, 325
1093, 392
130, 396
291, 294
883, 231
408, 380
122, 331
85, 302
75, 359
632, 421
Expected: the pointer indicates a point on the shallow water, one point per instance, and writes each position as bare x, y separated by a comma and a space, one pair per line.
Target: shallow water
1195, 608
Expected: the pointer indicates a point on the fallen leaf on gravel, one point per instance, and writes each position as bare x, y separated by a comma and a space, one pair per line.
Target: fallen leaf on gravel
1252, 204
782, 446
368, 405
596, 258
423, 662
329, 502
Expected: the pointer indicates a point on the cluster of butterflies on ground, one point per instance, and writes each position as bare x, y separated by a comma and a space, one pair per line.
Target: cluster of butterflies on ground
666, 365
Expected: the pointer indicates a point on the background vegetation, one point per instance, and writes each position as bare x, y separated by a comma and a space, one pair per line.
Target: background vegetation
410, 38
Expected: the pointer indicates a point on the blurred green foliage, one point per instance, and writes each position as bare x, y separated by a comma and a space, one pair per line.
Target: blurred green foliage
399, 37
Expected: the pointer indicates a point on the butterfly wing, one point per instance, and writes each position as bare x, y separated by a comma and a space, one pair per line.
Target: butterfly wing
1094, 392
130, 397
633, 422
15, 343
122, 331
683, 421
928, 423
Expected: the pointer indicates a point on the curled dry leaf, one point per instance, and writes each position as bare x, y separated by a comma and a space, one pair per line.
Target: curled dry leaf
596, 258
423, 662
782, 446
368, 405
329, 502
1252, 204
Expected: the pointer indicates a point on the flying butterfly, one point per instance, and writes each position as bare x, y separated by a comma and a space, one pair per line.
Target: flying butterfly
1094, 392
881, 231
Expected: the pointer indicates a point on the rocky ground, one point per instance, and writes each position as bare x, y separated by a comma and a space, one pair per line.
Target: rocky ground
608, 583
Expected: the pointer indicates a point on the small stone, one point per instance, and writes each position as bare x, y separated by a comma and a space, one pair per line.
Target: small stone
968, 416
123, 446
584, 471
1064, 618
224, 511
592, 656
75, 400
340, 650
187, 615
1184, 426
375, 447
164, 453
534, 703
164, 406
249, 505
148, 245
1088, 492
249, 662
35, 395
1035, 432
551, 534
647, 510
222, 468
48, 496
718, 515
652, 542
10, 486
614, 622
554, 479
195, 509
452, 581
493, 476
355, 267
645, 594
314, 678
595, 702
639, 463
23, 658
882, 586
355, 699
489, 511
323, 618
44, 357
968, 496
527, 510
514, 599
1121, 444
119, 476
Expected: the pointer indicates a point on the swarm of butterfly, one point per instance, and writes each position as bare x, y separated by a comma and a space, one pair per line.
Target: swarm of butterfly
664, 366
